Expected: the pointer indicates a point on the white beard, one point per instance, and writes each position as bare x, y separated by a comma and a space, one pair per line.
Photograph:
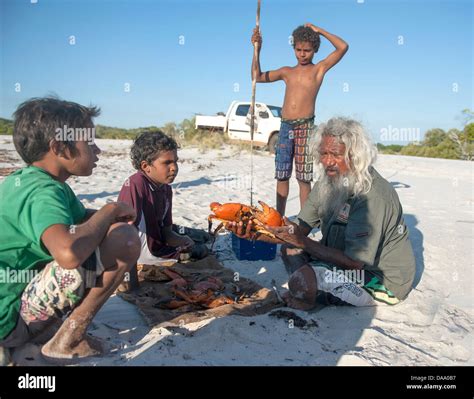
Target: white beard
332, 193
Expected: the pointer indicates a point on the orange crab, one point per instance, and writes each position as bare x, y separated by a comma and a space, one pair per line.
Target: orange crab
191, 295
236, 212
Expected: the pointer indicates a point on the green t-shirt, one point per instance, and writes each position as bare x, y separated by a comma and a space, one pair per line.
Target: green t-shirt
370, 229
30, 201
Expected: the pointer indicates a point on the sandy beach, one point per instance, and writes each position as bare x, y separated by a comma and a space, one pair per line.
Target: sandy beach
433, 326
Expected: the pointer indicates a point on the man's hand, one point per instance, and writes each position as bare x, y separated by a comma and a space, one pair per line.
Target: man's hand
313, 27
248, 234
290, 233
123, 212
257, 38
238, 230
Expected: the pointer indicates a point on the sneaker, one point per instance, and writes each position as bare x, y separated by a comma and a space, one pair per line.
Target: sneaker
199, 251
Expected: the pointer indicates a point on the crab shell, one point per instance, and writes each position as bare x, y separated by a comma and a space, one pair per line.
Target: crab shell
231, 211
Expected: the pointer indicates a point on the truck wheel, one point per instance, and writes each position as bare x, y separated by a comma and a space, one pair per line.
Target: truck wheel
272, 143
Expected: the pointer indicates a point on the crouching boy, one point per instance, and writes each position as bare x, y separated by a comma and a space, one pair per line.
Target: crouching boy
75, 257
148, 192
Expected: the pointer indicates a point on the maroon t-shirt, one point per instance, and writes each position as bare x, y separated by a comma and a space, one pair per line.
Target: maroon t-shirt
152, 202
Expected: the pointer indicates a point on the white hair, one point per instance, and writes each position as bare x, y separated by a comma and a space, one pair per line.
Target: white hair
360, 153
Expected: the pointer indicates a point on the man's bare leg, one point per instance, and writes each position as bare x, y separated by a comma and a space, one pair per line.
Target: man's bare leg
119, 251
283, 188
305, 189
302, 289
293, 258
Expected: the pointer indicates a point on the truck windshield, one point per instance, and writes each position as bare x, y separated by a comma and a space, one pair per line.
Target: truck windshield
276, 111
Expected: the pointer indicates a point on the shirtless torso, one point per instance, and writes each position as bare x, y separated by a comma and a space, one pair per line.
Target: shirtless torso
302, 87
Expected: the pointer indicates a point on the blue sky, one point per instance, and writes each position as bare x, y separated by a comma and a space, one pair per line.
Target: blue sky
423, 83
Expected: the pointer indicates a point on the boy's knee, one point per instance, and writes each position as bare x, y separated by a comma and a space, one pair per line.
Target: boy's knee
126, 241
303, 284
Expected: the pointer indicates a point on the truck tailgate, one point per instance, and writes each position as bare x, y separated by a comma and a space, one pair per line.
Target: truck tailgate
215, 121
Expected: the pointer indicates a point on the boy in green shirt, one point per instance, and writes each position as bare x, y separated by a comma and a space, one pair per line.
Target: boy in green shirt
56, 256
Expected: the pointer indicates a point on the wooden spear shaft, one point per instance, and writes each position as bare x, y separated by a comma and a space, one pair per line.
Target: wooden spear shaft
252, 106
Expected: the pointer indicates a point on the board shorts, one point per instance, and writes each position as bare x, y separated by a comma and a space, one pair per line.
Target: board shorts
293, 143
350, 287
52, 294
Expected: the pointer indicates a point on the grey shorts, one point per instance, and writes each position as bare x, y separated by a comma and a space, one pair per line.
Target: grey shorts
50, 295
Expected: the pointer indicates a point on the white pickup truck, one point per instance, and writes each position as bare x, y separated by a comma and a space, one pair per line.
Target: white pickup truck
235, 122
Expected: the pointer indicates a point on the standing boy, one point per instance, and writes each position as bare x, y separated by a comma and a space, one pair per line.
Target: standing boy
302, 86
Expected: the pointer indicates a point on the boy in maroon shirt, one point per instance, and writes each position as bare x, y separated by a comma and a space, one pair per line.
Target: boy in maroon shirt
148, 191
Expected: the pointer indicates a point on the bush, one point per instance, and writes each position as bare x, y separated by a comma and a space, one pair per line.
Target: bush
188, 136
6, 126
106, 132
389, 149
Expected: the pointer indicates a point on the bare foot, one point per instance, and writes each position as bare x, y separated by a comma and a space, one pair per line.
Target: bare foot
5, 357
303, 285
294, 303
89, 346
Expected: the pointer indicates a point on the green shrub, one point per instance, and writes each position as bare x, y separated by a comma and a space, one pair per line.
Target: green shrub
6, 126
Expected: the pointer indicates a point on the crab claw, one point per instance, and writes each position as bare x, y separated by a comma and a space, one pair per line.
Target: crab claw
214, 206
269, 216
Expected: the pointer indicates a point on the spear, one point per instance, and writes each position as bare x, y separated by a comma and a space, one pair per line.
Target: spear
252, 106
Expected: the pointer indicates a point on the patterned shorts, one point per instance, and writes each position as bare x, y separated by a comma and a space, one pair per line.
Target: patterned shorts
292, 144
55, 291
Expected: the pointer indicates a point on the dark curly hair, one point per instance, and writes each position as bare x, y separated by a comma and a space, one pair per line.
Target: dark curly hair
306, 34
148, 146
37, 121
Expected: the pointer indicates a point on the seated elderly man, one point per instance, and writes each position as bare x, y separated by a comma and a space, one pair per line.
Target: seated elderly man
364, 257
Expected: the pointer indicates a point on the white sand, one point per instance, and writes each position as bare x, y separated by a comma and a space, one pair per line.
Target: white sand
434, 326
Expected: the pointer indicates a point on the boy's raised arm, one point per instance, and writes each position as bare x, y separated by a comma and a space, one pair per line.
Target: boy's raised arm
341, 47
265, 77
